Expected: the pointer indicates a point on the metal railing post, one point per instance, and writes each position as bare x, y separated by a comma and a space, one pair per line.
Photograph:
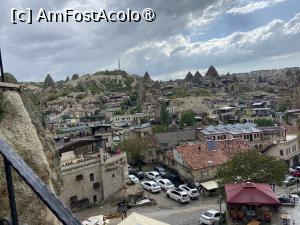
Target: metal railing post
11, 193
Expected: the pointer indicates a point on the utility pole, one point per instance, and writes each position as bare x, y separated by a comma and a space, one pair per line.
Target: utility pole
1, 67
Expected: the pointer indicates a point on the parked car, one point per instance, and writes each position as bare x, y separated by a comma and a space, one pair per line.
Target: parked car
160, 170
174, 178
289, 180
296, 173
153, 175
210, 216
165, 184
286, 199
151, 186
291, 169
134, 179
178, 195
138, 173
193, 192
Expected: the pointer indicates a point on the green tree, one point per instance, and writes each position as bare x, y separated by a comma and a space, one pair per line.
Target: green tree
135, 149
165, 118
264, 122
252, 166
187, 118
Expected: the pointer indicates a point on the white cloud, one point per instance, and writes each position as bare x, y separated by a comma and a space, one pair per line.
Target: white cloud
178, 53
253, 6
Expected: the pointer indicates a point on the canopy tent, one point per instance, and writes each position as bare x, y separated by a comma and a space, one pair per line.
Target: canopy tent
250, 194
137, 219
210, 185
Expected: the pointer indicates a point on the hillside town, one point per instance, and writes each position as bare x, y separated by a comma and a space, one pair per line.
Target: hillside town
121, 138
150, 112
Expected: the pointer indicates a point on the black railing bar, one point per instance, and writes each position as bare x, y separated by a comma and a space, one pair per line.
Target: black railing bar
37, 185
11, 193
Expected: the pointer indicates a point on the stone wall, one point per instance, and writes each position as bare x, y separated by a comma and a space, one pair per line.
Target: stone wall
188, 134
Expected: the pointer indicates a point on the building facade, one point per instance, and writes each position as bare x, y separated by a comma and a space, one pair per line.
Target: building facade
287, 150
90, 174
257, 137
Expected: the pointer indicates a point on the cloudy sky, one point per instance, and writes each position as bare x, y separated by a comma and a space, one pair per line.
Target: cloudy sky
187, 35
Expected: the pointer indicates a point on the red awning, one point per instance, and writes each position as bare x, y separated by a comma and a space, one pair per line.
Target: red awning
250, 194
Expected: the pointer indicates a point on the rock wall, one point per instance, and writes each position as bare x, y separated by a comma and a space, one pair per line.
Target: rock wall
19, 131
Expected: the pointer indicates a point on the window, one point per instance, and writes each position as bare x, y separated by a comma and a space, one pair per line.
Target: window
95, 198
281, 152
79, 177
113, 175
204, 174
92, 178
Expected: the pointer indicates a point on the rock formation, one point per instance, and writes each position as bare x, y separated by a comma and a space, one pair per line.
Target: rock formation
49, 82
75, 77
212, 73
9, 78
197, 77
189, 77
18, 130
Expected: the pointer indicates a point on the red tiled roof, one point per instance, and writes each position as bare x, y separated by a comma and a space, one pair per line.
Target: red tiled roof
169, 154
198, 156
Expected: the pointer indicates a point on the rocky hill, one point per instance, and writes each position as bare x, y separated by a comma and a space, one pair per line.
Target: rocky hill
17, 128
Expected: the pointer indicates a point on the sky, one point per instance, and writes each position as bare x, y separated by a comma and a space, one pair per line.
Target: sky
187, 35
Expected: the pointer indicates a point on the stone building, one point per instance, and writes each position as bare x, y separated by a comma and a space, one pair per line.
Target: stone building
199, 162
257, 137
90, 174
287, 150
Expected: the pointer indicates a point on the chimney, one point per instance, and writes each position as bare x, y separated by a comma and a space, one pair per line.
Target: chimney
199, 147
210, 163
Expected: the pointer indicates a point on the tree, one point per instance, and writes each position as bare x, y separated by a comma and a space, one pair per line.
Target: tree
135, 149
187, 118
252, 166
165, 118
264, 122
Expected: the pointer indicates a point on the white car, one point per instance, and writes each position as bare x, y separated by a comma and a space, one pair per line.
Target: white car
193, 192
95, 220
165, 184
153, 175
210, 216
178, 195
289, 180
134, 179
151, 186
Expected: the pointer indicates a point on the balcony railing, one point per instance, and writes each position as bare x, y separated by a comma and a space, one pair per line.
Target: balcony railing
13, 161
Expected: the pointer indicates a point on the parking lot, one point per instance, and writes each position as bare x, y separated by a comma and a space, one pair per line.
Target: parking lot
170, 211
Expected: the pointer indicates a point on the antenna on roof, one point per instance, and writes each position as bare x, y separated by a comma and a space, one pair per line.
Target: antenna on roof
1, 67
